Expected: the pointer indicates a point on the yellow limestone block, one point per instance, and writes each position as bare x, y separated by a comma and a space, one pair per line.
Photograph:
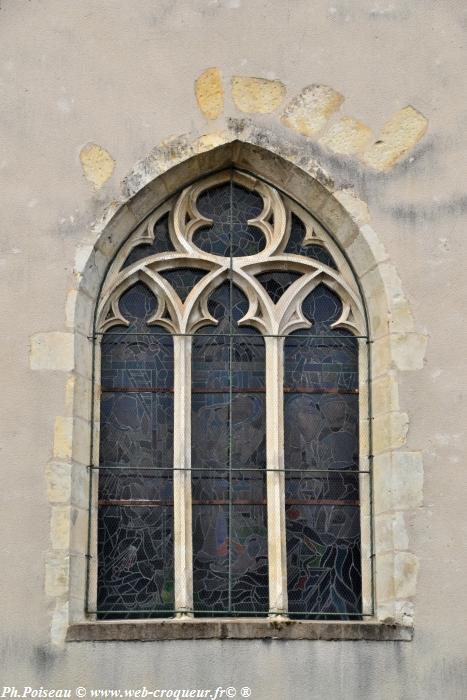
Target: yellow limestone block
257, 94
310, 110
210, 93
98, 165
347, 136
208, 141
398, 136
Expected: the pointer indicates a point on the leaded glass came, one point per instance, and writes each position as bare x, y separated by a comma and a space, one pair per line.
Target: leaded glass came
227, 321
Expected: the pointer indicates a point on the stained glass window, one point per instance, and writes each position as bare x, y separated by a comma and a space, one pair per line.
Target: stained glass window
230, 568
135, 526
321, 461
233, 327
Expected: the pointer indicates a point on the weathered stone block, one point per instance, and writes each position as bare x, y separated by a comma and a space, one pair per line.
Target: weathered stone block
347, 137
385, 394
79, 530
63, 437
388, 306
97, 163
257, 95
405, 574
58, 477
208, 141
408, 350
60, 524
80, 475
117, 229
78, 396
79, 310
385, 578
89, 269
57, 575
83, 354
59, 624
389, 432
398, 136
71, 439
390, 533
398, 481
354, 206
310, 110
381, 358
209, 93
81, 440
407, 480
366, 250
77, 576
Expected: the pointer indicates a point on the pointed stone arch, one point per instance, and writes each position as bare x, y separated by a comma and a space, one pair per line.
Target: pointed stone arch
395, 347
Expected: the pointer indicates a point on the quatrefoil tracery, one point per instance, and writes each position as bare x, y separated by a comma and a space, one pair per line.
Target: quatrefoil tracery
274, 223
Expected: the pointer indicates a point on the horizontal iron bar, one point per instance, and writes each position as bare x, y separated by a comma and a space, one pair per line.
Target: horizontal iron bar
149, 503
227, 391
238, 335
228, 469
233, 613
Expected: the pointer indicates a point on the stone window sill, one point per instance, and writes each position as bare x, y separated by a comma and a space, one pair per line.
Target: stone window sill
237, 628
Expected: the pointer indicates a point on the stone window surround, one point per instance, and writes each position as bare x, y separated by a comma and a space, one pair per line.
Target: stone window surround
272, 321
397, 475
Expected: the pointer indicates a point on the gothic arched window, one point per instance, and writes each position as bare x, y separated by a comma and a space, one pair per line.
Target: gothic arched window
231, 468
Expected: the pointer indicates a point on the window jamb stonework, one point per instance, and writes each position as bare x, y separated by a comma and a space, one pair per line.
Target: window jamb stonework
274, 321
396, 348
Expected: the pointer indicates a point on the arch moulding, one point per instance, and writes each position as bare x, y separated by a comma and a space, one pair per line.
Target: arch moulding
397, 474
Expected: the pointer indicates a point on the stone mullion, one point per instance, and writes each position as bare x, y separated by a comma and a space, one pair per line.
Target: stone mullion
277, 556
364, 462
183, 564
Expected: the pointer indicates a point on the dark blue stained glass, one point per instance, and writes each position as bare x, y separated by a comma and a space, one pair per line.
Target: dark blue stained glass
323, 561
321, 456
228, 457
135, 523
136, 429
183, 280
321, 430
295, 245
230, 206
230, 545
135, 554
276, 283
161, 243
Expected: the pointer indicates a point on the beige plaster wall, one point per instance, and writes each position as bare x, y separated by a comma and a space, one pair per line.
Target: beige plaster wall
88, 89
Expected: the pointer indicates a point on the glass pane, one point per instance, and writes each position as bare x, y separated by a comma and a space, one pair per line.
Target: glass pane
321, 457
228, 458
230, 564
296, 246
323, 560
230, 207
183, 280
135, 552
276, 283
161, 243
135, 538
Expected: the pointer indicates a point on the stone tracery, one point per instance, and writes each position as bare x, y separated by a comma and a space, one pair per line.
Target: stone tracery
183, 281
274, 222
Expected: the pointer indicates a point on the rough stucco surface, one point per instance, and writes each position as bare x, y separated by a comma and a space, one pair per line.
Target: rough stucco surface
121, 76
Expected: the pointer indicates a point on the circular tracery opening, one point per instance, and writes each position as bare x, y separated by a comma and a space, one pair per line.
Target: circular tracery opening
231, 207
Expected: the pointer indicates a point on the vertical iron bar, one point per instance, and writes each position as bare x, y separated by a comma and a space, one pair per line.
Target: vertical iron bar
370, 475
91, 474
231, 330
